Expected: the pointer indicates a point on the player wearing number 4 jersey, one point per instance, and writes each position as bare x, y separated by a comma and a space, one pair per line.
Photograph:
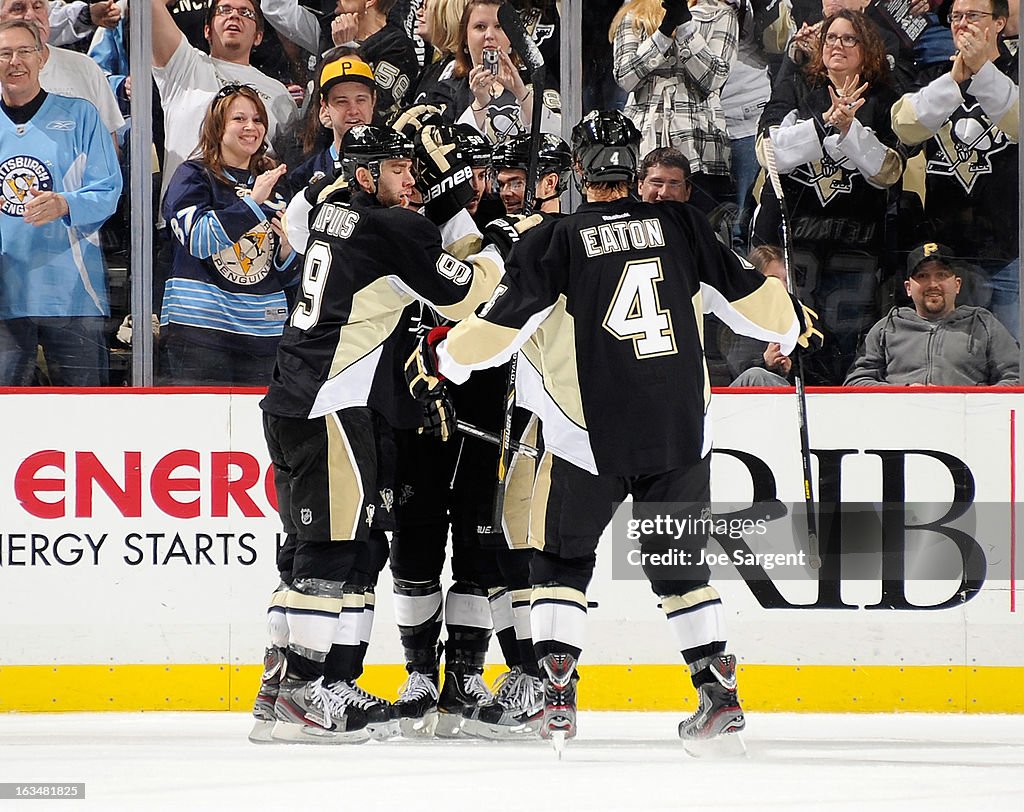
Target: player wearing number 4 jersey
337, 392
606, 305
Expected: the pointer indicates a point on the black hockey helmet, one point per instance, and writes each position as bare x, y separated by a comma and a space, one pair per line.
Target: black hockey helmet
473, 146
366, 145
553, 155
606, 145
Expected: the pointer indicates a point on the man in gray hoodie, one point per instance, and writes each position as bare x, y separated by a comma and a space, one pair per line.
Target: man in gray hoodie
935, 342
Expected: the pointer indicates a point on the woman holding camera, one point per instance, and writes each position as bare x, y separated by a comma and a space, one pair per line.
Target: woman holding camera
487, 89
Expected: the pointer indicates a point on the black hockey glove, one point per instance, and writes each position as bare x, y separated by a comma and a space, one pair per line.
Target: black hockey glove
677, 12
424, 380
416, 118
438, 417
444, 176
506, 231
811, 338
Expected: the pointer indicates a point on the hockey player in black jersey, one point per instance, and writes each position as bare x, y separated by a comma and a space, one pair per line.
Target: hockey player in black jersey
515, 711
337, 391
510, 161
606, 306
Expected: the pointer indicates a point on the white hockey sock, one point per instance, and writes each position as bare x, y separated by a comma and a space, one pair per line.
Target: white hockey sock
350, 620
366, 619
696, 618
277, 622
501, 609
520, 600
312, 609
558, 618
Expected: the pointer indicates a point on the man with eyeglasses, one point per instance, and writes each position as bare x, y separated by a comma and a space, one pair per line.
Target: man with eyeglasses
966, 121
59, 182
664, 175
64, 72
936, 342
188, 79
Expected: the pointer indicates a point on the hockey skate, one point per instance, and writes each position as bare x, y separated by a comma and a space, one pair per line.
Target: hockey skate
463, 690
311, 713
270, 685
381, 716
416, 706
515, 712
560, 678
713, 730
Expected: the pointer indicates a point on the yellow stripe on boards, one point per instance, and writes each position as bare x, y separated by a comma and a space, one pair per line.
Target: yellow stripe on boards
783, 688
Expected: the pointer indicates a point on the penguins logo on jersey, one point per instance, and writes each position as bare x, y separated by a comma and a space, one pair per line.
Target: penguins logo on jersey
965, 145
828, 177
539, 32
504, 121
18, 175
249, 260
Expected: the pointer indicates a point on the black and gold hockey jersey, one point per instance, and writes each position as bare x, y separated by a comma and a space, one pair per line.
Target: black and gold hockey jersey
364, 266
607, 305
970, 134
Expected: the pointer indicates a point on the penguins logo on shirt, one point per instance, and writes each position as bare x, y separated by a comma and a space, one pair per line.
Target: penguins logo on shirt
966, 143
504, 121
249, 260
18, 175
828, 177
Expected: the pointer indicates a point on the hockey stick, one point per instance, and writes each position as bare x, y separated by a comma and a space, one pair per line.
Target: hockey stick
801, 395
494, 439
526, 49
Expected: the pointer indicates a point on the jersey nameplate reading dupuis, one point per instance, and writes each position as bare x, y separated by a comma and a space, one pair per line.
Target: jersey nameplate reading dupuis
336, 221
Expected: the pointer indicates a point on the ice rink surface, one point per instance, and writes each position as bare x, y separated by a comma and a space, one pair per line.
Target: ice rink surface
620, 761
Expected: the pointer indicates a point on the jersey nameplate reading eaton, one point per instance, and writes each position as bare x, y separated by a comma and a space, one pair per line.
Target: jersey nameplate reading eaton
628, 235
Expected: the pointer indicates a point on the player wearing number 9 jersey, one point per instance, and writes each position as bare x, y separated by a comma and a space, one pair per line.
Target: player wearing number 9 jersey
606, 305
337, 393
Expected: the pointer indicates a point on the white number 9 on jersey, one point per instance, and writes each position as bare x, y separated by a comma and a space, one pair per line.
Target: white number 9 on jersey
314, 280
635, 313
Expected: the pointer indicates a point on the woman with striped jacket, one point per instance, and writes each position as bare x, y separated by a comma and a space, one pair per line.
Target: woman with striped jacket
224, 304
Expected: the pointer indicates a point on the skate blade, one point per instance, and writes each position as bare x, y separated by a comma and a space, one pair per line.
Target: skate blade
262, 732
723, 747
296, 733
422, 728
483, 730
449, 726
382, 731
558, 742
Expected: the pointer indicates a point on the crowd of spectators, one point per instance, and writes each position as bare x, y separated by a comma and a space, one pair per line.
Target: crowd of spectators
893, 125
